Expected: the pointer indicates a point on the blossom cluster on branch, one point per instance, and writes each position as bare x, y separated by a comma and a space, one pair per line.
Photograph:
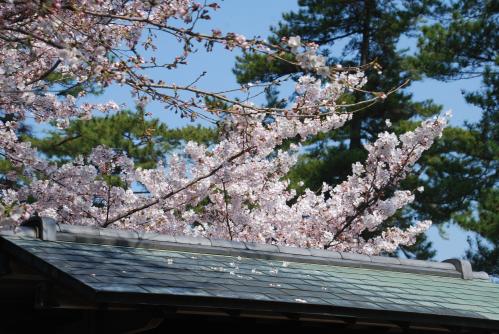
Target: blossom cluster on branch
53, 51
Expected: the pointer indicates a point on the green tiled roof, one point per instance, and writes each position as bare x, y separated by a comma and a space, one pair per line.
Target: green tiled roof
150, 275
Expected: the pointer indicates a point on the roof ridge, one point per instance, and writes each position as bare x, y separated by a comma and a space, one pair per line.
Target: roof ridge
47, 229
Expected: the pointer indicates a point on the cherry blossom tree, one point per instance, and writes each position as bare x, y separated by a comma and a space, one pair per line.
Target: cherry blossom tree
53, 51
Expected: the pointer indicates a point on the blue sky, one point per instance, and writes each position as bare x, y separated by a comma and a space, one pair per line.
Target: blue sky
253, 18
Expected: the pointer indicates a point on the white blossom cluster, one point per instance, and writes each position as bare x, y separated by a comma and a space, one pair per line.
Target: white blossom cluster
236, 189
308, 59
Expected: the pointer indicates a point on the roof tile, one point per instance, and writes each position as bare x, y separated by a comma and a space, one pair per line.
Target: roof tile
144, 272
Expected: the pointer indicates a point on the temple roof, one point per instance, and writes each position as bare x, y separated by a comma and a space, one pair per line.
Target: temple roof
125, 267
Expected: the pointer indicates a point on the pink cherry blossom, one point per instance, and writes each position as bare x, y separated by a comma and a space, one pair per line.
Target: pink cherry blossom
236, 189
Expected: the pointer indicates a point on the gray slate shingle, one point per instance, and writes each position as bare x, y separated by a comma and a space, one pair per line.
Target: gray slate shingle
106, 268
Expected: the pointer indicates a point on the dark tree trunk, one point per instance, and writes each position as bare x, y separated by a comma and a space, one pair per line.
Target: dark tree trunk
356, 122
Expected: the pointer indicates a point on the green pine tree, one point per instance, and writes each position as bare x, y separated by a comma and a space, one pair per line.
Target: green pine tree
464, 43
144, 140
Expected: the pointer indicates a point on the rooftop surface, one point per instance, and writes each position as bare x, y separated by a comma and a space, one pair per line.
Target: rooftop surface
113, 266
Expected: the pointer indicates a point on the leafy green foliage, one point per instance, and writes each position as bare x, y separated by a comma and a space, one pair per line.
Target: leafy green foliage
463, 43
145, 140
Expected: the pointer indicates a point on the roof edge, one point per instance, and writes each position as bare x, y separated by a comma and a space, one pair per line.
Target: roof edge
47, 229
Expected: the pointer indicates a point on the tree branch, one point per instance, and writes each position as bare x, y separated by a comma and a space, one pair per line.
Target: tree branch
174, 192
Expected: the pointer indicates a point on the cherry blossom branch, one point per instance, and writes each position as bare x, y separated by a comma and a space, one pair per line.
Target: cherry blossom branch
226, 211
174, 192
369, 202
104, 43
45, 74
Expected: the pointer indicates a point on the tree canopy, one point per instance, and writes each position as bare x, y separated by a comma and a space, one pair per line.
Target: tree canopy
54, 52
145, 140
463, 44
